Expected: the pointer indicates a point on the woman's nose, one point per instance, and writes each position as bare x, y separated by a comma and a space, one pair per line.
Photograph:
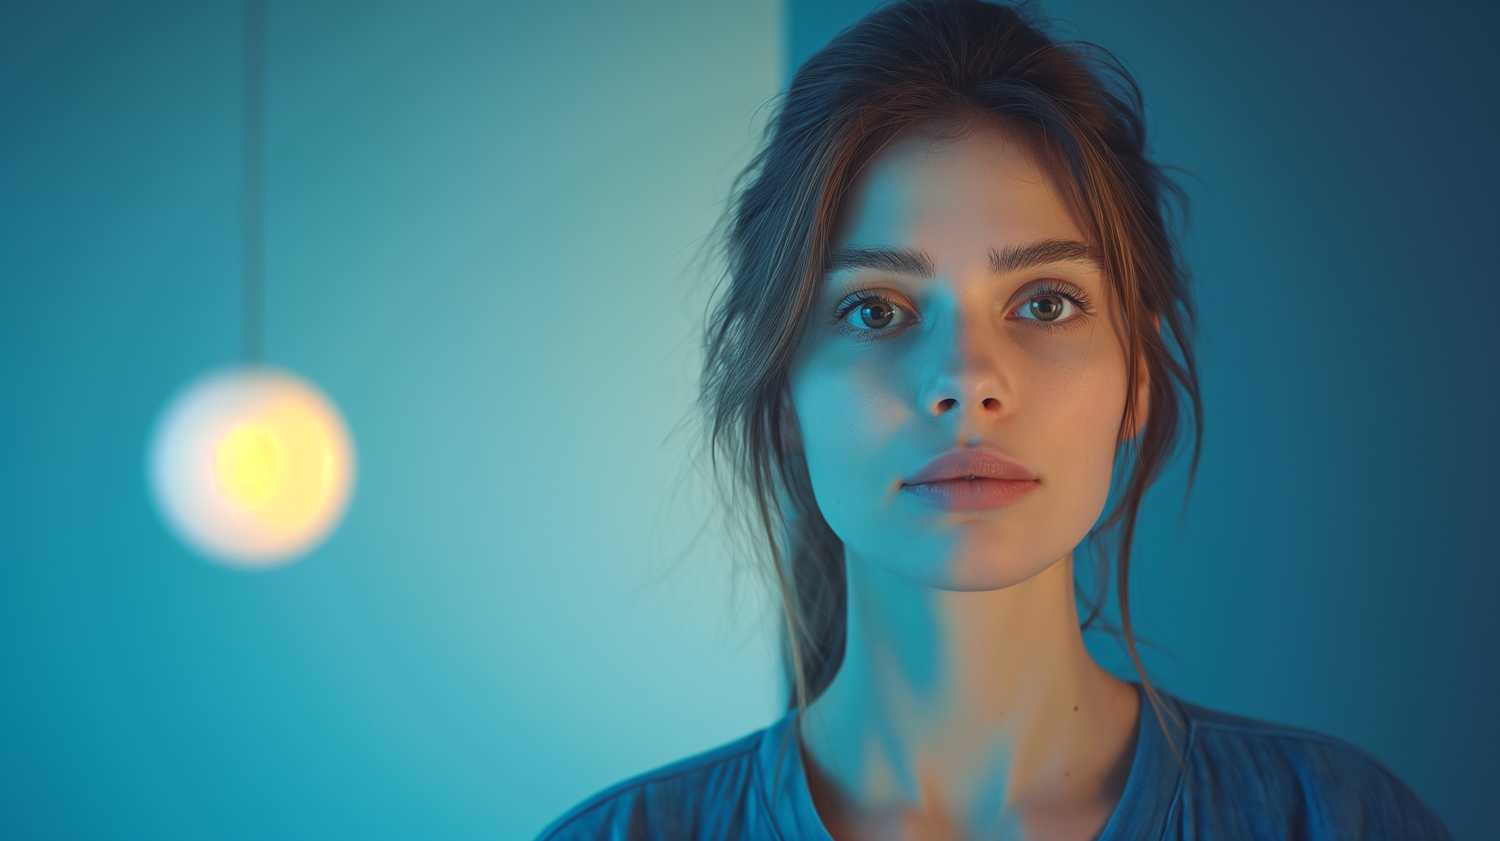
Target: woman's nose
966, 377
986, 404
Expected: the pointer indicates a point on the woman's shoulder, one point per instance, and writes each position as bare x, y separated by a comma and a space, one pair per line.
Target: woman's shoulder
1323, 785
708, 795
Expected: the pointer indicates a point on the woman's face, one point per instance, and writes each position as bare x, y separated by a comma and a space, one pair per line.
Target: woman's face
960, 386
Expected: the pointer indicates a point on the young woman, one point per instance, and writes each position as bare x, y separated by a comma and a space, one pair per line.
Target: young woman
954, 320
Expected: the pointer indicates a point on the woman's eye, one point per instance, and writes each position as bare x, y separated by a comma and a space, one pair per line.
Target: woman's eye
874, 314
1049, 307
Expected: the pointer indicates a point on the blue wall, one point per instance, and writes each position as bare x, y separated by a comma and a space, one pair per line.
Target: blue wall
481, 218
1338, 568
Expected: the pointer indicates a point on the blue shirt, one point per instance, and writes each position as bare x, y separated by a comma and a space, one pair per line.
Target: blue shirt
1238, 779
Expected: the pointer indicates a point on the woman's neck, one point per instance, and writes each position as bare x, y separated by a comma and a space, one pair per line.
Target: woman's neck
961, 714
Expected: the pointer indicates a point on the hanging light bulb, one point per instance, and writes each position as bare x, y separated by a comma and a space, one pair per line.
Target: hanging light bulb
252, 466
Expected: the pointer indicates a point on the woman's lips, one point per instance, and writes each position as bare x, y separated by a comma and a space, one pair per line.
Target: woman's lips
971, 494
971, 480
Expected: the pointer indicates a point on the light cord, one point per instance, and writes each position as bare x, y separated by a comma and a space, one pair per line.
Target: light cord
253, 186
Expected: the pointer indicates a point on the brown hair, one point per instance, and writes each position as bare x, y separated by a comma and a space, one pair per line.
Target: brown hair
907, 64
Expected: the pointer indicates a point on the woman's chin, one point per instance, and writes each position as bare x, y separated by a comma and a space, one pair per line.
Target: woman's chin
973, 571
983, 575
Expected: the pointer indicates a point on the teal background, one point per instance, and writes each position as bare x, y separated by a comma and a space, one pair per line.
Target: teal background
1337, 569
482, 222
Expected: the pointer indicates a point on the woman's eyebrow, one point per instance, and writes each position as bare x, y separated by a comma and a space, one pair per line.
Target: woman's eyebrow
1014, 258
897, 260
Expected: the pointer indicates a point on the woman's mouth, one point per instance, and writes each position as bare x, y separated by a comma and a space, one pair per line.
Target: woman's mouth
971, 480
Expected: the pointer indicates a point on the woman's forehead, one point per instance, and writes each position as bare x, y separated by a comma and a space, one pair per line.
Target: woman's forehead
953, 195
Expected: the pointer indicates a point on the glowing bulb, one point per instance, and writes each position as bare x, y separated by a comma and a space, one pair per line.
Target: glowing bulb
252, 467
249, 464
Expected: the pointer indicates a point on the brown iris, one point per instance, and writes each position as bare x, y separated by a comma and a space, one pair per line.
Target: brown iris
876, 314
1047, 308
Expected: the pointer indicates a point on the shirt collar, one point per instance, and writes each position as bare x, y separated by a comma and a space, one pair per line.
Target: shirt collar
1150, 790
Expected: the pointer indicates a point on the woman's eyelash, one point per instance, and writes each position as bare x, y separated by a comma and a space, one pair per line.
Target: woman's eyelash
898, 316
1065, 290
855, 300
1058, 289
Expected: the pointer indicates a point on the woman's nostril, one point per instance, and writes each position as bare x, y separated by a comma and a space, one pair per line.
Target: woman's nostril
991, 403
946, 405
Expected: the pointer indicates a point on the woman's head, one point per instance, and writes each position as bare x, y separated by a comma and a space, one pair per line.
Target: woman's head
951, 245
964, 329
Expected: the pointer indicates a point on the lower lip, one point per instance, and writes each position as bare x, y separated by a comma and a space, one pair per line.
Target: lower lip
971, 494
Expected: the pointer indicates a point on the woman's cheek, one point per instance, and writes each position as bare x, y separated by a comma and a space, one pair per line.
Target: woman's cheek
1085, 420
849, 415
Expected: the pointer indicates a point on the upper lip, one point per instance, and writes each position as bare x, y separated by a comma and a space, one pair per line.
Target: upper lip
980, 463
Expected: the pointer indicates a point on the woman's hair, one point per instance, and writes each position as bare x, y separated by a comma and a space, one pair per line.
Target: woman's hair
960, 63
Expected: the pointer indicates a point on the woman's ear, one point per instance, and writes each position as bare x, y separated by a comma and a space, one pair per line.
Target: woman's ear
1142, 392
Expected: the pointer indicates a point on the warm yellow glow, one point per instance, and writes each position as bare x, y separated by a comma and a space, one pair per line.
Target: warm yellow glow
248, 462
252, 467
